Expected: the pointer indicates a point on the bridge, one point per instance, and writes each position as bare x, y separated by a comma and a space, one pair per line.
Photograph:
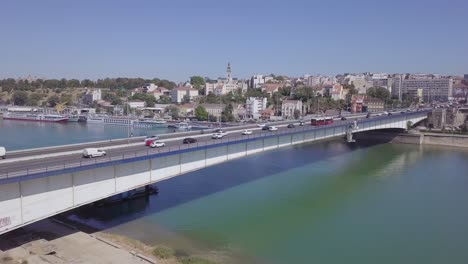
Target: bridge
36, 184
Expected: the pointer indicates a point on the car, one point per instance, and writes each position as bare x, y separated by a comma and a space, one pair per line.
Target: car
189, 140
157, 144
262, 125
149, 141
265, 128
151, 138
247, 132
291, 126
343, 118
301, 123
2, 152
220, 131
385, 113
93, 153
272, 128
217, 136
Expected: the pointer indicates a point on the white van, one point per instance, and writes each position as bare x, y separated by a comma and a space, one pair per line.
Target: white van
93, 152
2, 152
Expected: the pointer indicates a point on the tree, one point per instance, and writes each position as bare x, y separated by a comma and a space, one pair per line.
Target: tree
197, 82
186, 99
226, 115
34, 98
173, 112
53, 100
201, 113
379, 92
297, 114
20, 98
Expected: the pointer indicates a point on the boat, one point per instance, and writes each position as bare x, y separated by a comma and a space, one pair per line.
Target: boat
183, 126
73, 118
35, 117
149, 123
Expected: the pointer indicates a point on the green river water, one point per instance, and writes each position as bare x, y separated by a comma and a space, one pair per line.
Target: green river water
327, 202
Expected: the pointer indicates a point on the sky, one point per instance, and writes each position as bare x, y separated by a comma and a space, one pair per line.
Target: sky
177, 39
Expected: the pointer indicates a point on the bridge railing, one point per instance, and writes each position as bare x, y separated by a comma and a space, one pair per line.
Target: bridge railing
150, 152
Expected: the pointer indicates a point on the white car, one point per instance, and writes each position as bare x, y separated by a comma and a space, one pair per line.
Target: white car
153, 137
247, 132
93, 153
157, 144
219, 131
2, 152
261, 125
272, 128
217, 136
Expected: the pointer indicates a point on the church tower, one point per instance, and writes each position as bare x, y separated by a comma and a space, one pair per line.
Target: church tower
228, 72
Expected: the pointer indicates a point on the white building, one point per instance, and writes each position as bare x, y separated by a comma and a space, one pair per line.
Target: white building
254, 107
224, 85
256, 81
289, 106
136, 104
178, 94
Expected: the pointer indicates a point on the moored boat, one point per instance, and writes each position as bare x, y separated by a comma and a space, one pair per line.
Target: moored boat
35, 117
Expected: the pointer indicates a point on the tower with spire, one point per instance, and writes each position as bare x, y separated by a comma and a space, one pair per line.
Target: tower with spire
228, 72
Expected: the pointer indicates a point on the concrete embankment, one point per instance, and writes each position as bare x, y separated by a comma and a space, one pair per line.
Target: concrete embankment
450, 140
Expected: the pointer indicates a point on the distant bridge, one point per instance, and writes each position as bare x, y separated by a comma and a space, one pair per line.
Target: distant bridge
44, 186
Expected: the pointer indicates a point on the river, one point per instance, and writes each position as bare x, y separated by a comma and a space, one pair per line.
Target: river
16, 135
326, 202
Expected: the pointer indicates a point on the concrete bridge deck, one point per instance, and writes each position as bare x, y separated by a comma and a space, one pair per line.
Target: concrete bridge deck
38, 188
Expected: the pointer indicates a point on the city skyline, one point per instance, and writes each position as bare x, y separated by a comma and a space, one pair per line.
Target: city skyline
180, 39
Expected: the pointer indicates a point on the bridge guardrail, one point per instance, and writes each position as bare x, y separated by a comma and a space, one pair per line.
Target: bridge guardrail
152, 153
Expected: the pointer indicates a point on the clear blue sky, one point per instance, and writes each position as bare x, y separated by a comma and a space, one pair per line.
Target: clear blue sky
176, 39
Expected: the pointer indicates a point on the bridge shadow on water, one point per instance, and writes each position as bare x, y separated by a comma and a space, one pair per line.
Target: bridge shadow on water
194, 185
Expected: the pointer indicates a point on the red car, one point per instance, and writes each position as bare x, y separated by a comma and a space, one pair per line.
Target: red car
149, 141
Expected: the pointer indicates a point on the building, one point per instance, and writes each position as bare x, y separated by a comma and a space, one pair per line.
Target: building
266, 114
178, 94
270, 88
254, 107
256, 81
373, 104
357, 103
288, 107
224, 85
214, 109
90, 96
160, 91
136, 104
338, 92
426, 89
465, 77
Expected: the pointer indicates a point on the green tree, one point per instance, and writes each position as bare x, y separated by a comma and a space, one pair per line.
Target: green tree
226, 115
34, 98
379, 92
198, 82
20, 98
66, 98
201, 113
173, 112
53, 100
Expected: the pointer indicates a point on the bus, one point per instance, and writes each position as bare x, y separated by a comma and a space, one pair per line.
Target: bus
321, 121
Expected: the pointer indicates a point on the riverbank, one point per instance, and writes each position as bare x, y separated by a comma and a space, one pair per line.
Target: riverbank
54, 241
417, 138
